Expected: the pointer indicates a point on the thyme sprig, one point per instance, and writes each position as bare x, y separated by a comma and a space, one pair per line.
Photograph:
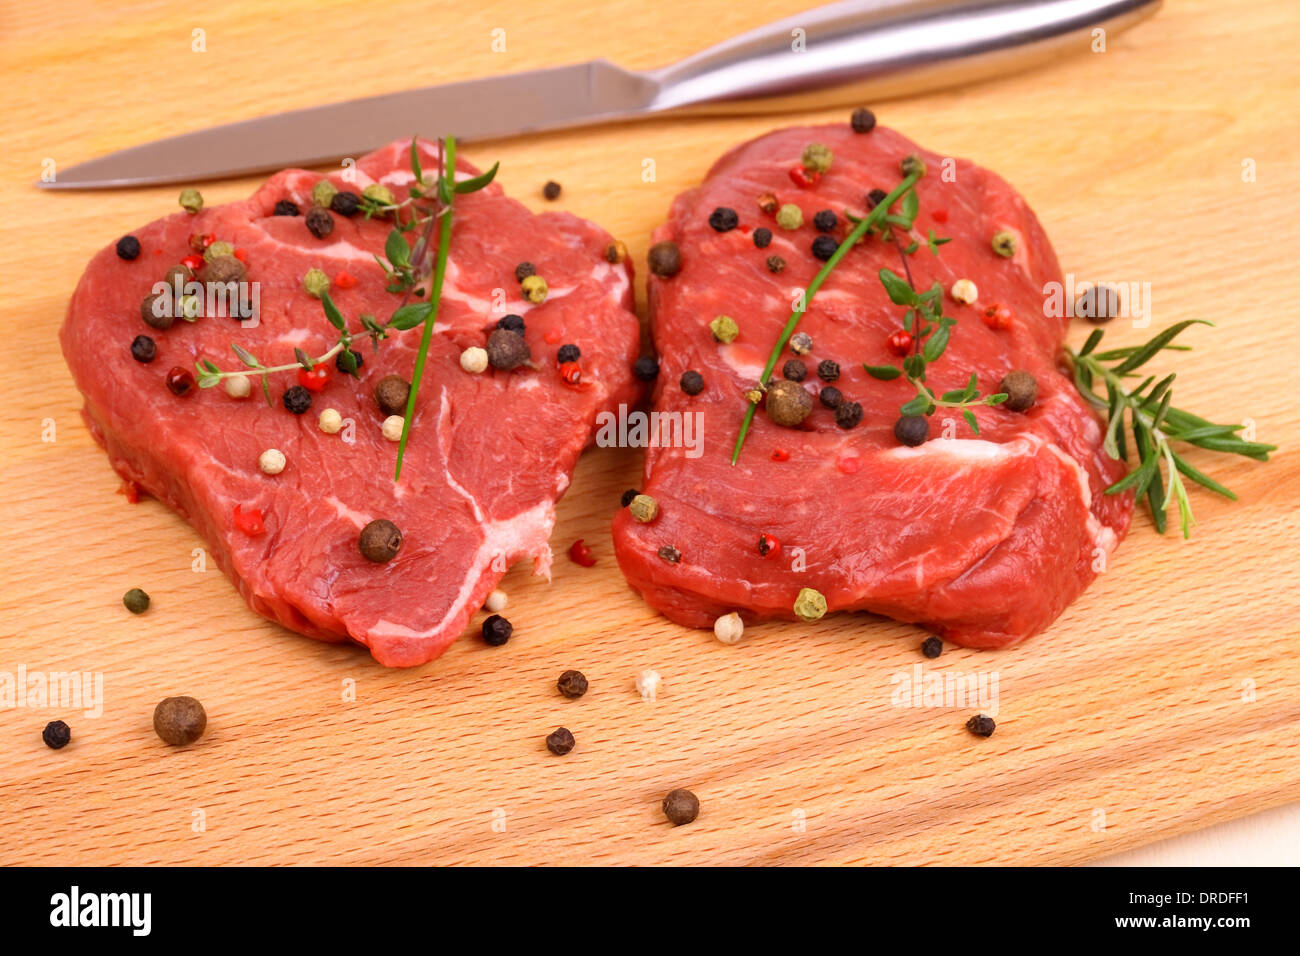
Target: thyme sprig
1155, 424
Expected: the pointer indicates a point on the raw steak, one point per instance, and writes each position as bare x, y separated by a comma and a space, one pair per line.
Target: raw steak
984, 540
489, 453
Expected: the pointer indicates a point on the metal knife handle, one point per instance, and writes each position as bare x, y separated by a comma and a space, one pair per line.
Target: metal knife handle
865, 50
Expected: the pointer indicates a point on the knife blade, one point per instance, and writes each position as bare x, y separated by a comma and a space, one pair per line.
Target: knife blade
853, 51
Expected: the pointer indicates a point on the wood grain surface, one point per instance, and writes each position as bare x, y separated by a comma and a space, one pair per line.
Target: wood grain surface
1167, 698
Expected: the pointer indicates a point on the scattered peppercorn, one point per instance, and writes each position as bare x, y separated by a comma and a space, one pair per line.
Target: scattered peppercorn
825, 220
862, 120
496, 630
816, 157
319, 222
681, 807
323, 193
391, 394
794, 370
767, 544
964, 291
1004, 244
534, 289
876, 197
912, 430
1097, 303
932, 647
511, 323
524, 270
801, 343
789, 216
912, 163
767, 202
724, 219
627, 497
665, 259
692, 382
507, 350
379, 541
560, 741
178, 271
762, 237
191, 200
143, 349
828, 370
297, 399
775, 263
615, 252
128, 248
644, 509
224, 269
551, 190
724, 328
981, 725
217, 250
315, 283
831, 396
823, 247
572, 684
285, 207
646, 368
136, 601
150, 308
179, 720
810, 605
1021, 388
568, 353
56, 735
848, 414
379, 194
180, 382
346, 203
788, 403
670, 554
341, 363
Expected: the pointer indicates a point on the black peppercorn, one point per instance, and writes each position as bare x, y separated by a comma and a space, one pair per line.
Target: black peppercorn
775, 263
496, 630
568, 353
128, 247
297, 399
670, 554
794, 370
551, 190
507, 349
346, 204
681, 807
391, 394
646, 368
723, 219
380, 541
285, 207
827, 370
143, 349
825, 221
559, 741
56, 734
692, 382
862, 120
932, 647
912, 430
628, 496
875, 198
524, 270
572, 684
762, 237
136, 601
319, 222
511, 323
823, 247
665, 259
848, 414
179, 720
1021, 388
831, 397
341, 363
981, 725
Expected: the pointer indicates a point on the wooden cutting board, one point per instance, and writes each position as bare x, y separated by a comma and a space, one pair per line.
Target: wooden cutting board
1166, 699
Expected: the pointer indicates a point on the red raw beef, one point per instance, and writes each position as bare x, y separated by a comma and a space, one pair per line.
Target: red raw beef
489, 453
985, 540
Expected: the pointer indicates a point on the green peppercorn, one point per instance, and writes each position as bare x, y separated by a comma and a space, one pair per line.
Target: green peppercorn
912, 163
534, 288
323, 193
218, 250
316, 282
724, 328
788, 403
1021, 388
809, 605
1004, 244
380, 541
665, 259
179, 720
136, 601
378, 193
817, 157
789, 216
191, 200
644, 509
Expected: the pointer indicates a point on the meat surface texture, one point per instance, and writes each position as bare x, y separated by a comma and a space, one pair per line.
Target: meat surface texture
489, 454
984, 540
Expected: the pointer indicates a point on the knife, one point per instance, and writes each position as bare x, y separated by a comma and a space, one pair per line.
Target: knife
851, 52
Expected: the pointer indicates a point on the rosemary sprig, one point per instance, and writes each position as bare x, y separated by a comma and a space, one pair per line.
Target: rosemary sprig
1154, 423
861, 226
